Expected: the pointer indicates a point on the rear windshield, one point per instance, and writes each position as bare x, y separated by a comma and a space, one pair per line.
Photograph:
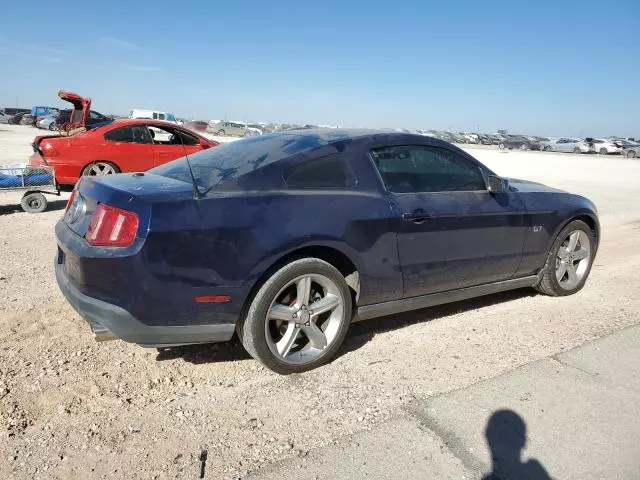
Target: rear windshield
224, 164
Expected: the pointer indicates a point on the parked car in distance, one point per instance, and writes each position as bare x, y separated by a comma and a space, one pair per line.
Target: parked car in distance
27, 119
14, 111
197, 125
16, 118
39, 112
48, 123
119, 146
631, 150
4, 117
520, 142
288, 238
233, 129
255, 129
94, 118
606, 147
570, 145
153, 115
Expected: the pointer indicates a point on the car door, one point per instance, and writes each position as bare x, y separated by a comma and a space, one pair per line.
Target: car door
172, 143
454, 233
129, 148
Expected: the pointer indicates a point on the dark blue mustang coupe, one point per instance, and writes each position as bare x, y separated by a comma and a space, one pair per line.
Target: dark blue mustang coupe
288, 238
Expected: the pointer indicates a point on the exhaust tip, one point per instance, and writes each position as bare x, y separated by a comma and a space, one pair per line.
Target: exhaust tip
101, 333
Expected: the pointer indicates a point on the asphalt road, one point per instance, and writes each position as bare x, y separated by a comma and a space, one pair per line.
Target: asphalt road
572, 415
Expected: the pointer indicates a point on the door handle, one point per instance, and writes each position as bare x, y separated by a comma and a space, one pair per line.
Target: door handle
417, 216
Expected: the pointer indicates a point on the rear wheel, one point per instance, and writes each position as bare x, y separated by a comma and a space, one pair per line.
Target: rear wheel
569, 261
299, 317
631, 154
52, 126
221, 133
501, 146
34, 202
576, 150
523, 147
97, 169
603, 151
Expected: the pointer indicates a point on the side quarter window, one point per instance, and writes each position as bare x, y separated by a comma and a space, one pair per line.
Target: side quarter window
421, 168
135, 134
124, 134
331, 171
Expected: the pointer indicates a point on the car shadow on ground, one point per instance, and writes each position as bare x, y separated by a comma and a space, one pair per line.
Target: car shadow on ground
16, 208
359, 333
506, 435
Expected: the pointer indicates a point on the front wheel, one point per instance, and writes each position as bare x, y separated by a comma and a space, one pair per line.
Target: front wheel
603, 151
299, 317
221, 133
577, 150
631, 154
52, 127
501, 146
569, 262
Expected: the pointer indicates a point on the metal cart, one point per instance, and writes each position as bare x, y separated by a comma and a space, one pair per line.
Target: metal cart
35, 181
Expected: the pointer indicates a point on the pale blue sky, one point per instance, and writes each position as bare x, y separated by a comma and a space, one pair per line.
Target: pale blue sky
557, 68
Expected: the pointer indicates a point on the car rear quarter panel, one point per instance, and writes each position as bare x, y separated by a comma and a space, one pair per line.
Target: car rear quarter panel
240, 237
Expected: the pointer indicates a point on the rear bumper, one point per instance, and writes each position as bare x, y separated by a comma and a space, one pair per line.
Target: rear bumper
110, 322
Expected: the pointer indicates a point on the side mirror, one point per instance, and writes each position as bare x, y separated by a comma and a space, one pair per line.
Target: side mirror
497, 184
204, 145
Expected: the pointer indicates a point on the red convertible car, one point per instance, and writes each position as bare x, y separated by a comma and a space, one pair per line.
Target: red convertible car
114, 147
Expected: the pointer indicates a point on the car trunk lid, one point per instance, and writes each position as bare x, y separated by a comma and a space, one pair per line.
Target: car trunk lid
80, 111
136, 193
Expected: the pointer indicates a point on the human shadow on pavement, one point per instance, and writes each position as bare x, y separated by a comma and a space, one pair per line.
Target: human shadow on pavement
506, 434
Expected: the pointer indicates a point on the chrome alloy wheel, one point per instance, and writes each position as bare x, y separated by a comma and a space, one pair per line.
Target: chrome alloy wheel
101, 168
572, 260
304, 319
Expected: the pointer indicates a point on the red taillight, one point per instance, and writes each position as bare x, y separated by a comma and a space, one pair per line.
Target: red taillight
48, 150
112, 227
71, 199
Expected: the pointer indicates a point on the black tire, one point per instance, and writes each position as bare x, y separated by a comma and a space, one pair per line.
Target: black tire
33, 202
86, 171
501, 146
604, 151
631, 154
549, 284
524, 147
251, 329
577, 150
52, 127
221, 133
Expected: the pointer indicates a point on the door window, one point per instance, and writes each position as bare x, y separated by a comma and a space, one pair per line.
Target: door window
133, 134
327, 172
408, 168
172, 136
161, 116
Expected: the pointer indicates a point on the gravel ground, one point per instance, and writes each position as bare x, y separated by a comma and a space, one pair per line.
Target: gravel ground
71, 408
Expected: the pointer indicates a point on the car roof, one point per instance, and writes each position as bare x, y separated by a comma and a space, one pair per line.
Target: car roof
326, 136
142, 121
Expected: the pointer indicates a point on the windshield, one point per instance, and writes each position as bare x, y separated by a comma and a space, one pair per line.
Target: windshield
215, 167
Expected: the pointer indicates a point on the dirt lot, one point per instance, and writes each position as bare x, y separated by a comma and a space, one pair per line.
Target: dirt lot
71, 408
